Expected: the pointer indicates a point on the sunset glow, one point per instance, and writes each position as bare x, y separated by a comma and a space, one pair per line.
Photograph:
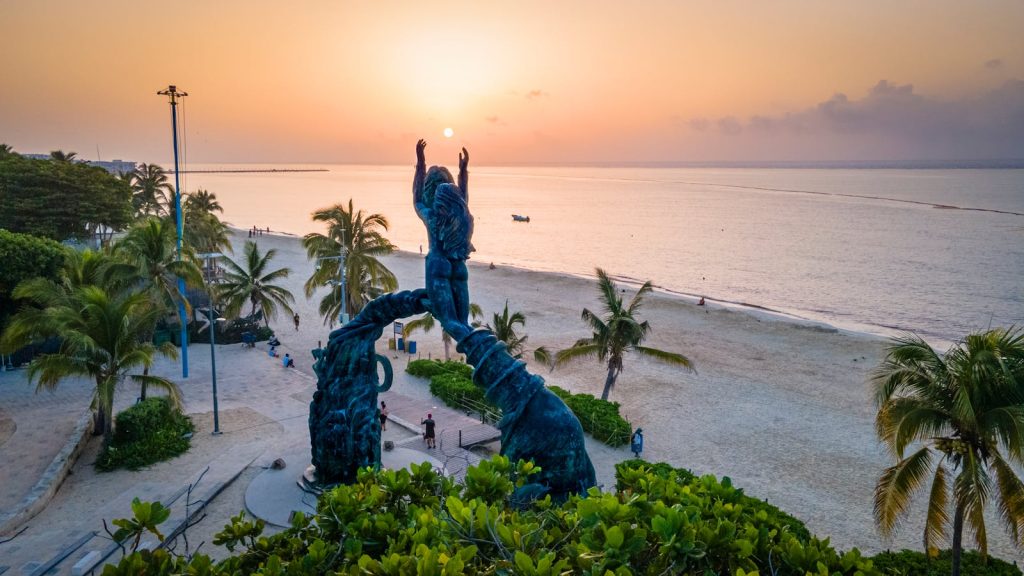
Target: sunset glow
652, 81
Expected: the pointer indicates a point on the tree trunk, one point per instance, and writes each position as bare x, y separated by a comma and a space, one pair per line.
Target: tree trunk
98, 422
142, 392
613, 374
958, 534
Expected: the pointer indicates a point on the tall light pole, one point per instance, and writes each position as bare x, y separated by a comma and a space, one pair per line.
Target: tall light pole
211, 278
173, 94
343, 316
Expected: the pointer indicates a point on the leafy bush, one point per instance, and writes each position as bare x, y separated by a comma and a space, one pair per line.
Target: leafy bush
230, 334
431, 368
911, 562
600, 418
420, 522
452, 382
629, 472
148, 432
452, 388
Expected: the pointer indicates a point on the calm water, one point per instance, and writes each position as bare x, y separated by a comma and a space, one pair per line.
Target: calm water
860, 249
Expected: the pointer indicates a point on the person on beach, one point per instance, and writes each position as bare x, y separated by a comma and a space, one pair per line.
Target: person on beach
444, 208
383, 415
296, 319
636, 442
428, 433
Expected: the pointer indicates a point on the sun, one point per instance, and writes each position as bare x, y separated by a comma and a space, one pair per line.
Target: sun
448, 132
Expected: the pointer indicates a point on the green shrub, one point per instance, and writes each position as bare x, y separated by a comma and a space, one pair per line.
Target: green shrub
911, 562
420, 522
629, 472
452, 388
148, 432
599, 418
431, 368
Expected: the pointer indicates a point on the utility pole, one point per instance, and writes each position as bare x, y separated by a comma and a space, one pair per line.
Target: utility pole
173, 94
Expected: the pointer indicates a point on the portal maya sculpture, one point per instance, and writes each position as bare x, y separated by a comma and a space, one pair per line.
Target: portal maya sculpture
343, 425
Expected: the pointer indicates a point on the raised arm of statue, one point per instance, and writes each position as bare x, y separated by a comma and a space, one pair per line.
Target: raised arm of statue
418, 179
464, 173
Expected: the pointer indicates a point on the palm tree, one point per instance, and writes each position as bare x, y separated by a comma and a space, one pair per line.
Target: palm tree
616, 334
203, 201
5, 149
202, 229
504, 330
427, 323
359, 236
150, 249
153, 194
101, 334
253, 284
965, 411
62, 156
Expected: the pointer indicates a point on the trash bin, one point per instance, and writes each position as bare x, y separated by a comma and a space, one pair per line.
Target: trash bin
412, 346
401, 343
391, 343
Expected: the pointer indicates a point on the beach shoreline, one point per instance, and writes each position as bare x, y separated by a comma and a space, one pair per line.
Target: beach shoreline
782, 407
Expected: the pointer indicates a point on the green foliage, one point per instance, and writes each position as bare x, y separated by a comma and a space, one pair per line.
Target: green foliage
416, 521
599, 418
359, 236
148, 432
230, 334
60, 200
431, 368
913, 563
453, 388
23, 257
146, 516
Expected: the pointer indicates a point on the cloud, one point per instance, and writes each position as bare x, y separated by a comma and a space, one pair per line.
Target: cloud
890, 120
994, 64
493, 119
534, 94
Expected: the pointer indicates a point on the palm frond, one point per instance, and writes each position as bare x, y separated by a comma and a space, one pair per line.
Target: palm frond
895, 487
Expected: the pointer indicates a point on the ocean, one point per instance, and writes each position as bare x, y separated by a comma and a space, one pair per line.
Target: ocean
937, 252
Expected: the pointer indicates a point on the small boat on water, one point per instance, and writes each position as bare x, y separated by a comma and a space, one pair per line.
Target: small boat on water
520, 218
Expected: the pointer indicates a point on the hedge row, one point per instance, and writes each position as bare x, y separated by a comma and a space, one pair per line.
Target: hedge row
148, 432
600, 418
452, 382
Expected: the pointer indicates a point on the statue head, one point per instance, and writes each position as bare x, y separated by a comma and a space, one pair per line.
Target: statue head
436, 176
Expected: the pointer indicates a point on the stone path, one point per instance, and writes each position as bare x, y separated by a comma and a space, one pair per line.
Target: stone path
247, 378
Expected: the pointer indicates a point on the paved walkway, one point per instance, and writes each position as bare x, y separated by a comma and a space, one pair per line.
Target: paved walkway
246, 379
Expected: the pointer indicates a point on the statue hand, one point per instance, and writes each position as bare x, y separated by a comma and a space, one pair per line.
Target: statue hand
463, 159
420, 158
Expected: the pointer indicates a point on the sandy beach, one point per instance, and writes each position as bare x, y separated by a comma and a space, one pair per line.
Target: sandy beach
779, 406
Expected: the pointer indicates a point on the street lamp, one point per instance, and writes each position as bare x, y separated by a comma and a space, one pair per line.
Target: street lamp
343, 316
174, 95
211, 278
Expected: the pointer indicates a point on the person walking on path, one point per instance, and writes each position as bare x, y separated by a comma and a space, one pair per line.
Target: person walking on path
636, 442
428, 434
383, 415
296, 319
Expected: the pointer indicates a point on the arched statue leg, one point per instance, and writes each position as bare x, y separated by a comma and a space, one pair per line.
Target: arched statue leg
460, 290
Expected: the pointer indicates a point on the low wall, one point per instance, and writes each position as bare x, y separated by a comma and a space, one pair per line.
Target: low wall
51, 479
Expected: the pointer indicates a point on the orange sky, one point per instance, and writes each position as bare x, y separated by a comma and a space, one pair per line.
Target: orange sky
524, 81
